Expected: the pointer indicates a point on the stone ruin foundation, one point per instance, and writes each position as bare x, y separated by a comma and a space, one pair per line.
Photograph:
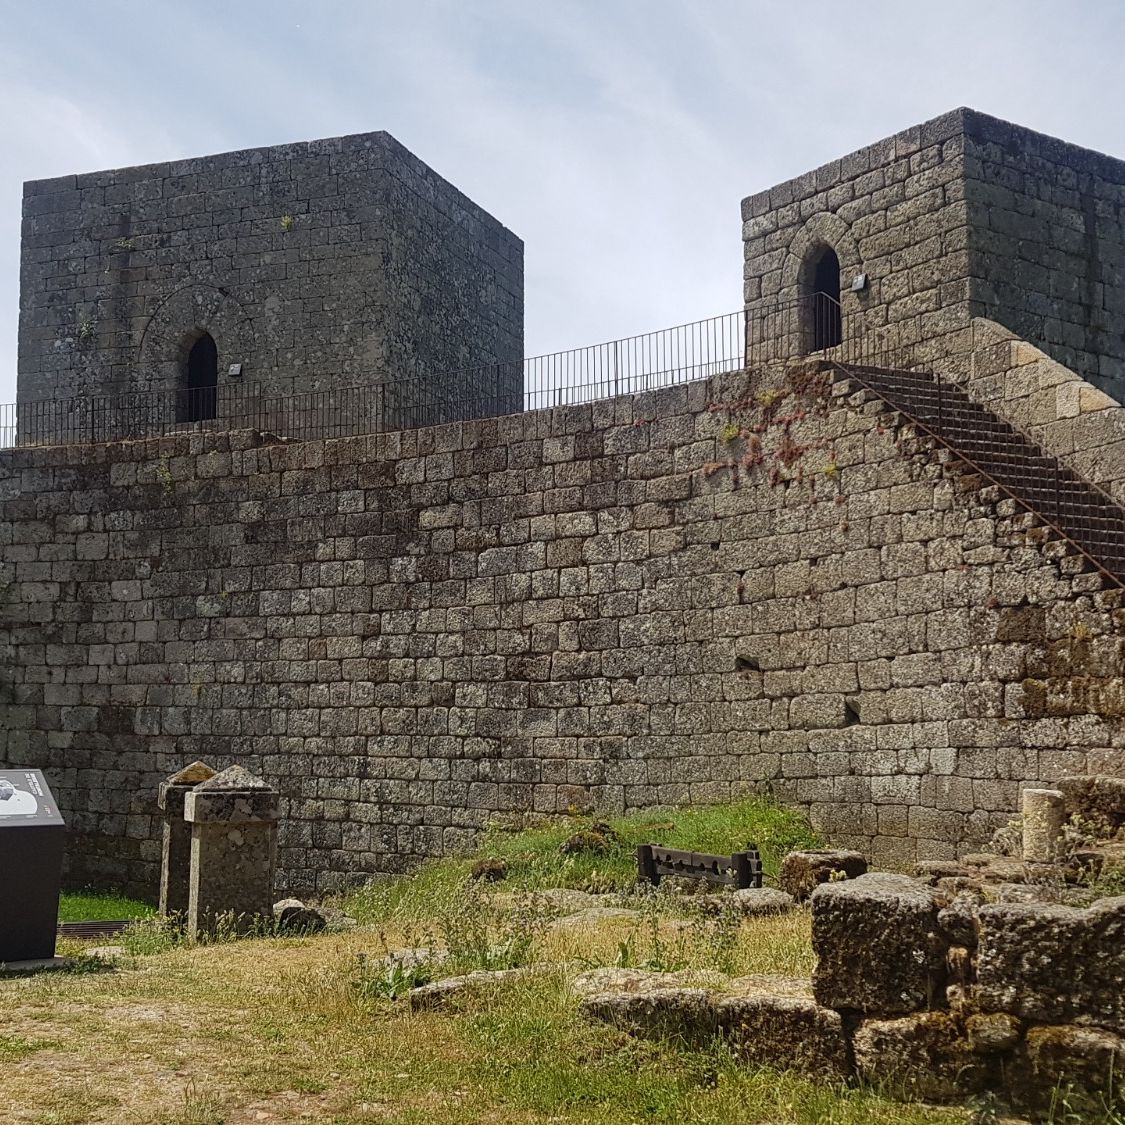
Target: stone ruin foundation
233, 818
175, 853
219, 849
968, 979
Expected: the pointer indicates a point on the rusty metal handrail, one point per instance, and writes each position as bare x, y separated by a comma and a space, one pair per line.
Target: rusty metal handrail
1055, 525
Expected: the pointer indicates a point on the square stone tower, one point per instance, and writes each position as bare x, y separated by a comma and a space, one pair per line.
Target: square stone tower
297, 269
965, 216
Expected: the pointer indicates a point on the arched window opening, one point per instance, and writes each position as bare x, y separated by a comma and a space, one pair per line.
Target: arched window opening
828, 329
199, 394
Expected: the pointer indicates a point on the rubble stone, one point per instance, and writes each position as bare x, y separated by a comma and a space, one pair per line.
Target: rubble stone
1099, 800
925, 1055
992, 868
1080, 1066
779, 1023
414, 957
686, 1014
291, 915
878, 945
1054, 964
762, 900
958, 922
175, 855
989, 1032
959, 965
596, 981
233, 818
428, 997
931, 870
1052, 892
1043, 817
802, 872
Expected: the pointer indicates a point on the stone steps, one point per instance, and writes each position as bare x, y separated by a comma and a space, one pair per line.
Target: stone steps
1083, 516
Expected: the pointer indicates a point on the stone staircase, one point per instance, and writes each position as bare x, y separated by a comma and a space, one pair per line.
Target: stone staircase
1087, 518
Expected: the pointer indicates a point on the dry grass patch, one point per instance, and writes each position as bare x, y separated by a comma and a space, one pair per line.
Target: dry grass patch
290, 1030
275, 1030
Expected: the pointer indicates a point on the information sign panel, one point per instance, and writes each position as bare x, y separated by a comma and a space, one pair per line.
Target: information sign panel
32, 838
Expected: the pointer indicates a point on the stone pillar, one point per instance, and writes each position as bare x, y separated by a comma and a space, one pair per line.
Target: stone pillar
175, 855
1043, 816
233, 818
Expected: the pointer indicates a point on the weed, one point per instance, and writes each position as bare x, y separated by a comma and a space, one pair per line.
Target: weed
721, 934
788, 451
478, 934
164, 475
1071, 1105
1108, 883
287, 223
199, 1108
15, 1048
390, 978
666, 954
731, 432
626, 952
163, 932
1009, 839
754, 454
147, 936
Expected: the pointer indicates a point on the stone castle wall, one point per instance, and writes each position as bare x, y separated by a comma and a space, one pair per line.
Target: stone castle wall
658, 599
316, 265
1048, 245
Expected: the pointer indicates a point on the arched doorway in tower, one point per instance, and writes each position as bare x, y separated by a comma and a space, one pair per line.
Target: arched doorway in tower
827, 324
199, 392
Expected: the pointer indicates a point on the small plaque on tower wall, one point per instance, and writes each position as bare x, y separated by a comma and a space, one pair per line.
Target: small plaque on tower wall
32, 838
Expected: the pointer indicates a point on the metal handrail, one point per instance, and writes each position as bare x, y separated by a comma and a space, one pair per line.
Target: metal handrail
937, 431
769, 333
631, 364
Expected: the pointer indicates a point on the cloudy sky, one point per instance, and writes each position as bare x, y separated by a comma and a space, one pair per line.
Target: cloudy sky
616, 137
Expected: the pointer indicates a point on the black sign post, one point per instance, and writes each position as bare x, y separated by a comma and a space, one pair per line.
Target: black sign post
32, 836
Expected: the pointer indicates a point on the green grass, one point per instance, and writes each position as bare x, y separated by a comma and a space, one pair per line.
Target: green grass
545, 1061
97, 906
535, 861
14, 1048
302, 1027
277, 1026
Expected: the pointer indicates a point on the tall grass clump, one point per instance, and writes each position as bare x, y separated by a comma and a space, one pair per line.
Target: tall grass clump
533, 854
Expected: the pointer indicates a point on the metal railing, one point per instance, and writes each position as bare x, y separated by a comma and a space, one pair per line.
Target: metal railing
287, 405
1076, 510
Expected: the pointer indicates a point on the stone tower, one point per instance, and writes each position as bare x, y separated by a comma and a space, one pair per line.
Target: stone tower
963, 217
297, 269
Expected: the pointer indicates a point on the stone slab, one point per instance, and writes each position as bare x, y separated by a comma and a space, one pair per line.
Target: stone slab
878, 945
1054, 964
924, 1055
